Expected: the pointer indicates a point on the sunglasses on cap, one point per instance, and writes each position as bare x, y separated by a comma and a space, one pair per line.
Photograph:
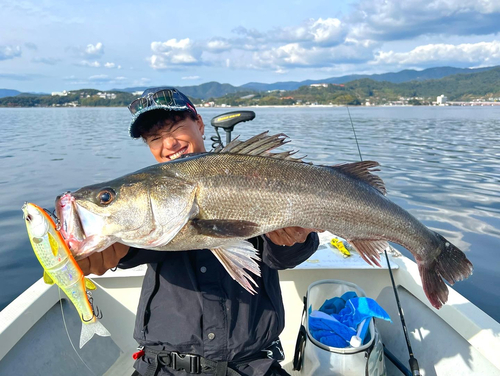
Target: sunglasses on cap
166, 98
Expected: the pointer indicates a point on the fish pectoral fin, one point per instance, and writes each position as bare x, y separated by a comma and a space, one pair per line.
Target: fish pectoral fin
220, 228
89, 284
363, 171
369, 249
237, 257
47, 279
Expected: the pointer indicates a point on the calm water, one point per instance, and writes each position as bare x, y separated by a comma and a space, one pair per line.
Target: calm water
441, 164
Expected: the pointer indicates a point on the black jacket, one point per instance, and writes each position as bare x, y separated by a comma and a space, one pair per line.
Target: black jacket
190, 304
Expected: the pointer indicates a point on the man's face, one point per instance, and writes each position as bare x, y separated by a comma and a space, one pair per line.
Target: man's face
175, 139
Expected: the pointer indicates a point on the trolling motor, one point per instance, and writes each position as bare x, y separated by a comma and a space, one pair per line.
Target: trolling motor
227, 121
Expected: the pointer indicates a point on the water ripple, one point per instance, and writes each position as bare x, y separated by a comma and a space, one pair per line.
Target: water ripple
441, 164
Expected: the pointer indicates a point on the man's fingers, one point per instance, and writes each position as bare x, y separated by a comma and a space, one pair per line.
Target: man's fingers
280, 237
297, 233
290, 235
97, 263
109, 258
84, 265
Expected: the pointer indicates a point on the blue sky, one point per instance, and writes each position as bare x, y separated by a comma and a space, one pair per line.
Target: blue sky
49, 45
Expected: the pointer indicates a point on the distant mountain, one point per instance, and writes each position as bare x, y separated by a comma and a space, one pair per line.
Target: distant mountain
217, 90
14, 93
8, 93
203, 91
406, 75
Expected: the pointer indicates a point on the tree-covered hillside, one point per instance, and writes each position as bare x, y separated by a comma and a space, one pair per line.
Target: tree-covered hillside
459, 87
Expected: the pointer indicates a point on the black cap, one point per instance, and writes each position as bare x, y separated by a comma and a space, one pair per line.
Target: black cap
159, 98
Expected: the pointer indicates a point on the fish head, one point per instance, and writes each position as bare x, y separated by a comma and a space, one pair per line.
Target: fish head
37, 224
137, 210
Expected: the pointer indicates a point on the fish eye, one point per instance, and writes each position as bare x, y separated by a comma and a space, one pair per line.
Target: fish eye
106, 196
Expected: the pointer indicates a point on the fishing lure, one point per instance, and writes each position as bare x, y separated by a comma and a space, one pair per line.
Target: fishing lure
60, 267
339, 244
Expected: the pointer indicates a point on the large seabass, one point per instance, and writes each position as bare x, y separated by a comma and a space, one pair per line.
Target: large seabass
217, 200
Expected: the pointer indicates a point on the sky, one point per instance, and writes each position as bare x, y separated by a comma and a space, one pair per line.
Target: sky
53, 45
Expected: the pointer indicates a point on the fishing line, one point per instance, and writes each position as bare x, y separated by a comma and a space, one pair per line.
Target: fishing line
354, 131
67, 333
415, 370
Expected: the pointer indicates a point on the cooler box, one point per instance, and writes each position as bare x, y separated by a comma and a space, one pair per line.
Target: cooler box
313, 358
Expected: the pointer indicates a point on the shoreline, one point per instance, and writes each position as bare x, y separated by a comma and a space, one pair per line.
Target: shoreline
475, 104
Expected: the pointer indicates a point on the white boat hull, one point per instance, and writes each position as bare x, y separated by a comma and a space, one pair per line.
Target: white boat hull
459, 339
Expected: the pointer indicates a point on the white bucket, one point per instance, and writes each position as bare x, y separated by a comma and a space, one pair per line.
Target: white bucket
313, 358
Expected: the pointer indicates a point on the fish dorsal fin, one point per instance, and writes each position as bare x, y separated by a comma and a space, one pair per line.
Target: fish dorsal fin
363, 171
260, 145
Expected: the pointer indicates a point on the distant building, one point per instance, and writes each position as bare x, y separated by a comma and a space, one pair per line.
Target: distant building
441, 100
106, 95
60, 93
138, 93
318, 85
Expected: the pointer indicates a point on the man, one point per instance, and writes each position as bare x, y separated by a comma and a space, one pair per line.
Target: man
192, 316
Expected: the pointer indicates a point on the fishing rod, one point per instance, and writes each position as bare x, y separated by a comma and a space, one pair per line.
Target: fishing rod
415, 369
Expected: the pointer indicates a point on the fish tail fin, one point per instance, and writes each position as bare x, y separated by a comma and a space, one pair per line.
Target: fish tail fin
89, 329
451, 264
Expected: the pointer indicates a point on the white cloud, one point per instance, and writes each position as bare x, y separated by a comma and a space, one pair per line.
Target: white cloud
91, 51
173, 52
218, 45
191, 77
9, 52
312, 37
112, 65
92, 64
295, 55
361, 37
99, 77
104, 78
326, 32
94, 51
485, 53
400, 20
46, 60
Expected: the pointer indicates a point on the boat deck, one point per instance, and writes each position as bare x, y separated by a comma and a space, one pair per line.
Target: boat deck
459, 339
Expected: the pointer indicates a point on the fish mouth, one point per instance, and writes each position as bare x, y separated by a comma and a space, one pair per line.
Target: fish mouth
71, 227
177, 154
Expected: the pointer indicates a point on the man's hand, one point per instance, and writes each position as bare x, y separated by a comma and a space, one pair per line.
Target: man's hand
289, 235
98, 263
